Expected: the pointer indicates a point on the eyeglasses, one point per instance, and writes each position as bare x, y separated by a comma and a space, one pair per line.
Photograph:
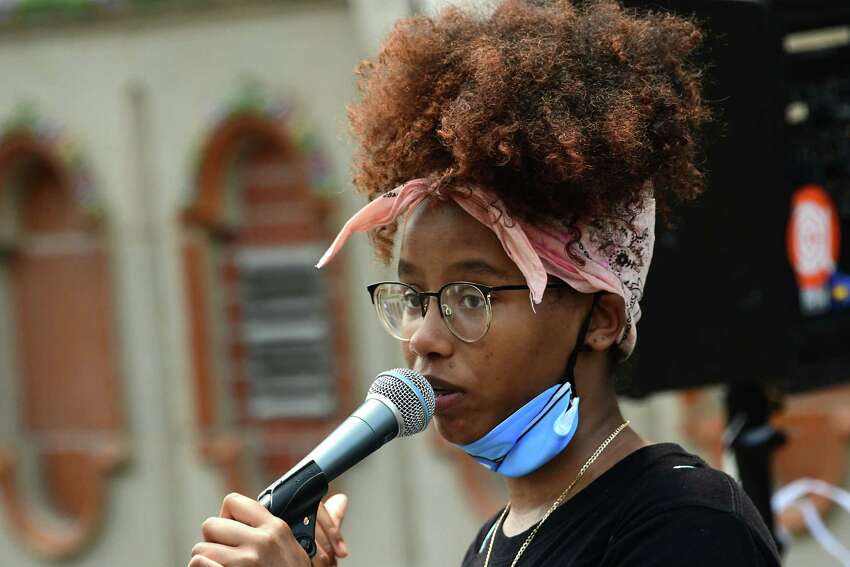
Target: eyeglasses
465, 307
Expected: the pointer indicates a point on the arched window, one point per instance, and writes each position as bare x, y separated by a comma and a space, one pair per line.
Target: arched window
269, 349
58, 348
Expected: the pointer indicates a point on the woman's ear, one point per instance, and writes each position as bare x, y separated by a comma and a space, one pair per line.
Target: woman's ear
606, 323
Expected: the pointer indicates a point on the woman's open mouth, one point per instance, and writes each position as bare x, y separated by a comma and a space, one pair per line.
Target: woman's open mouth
446, 394
446, 400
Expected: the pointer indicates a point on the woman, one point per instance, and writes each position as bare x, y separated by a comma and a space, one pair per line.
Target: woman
520, 156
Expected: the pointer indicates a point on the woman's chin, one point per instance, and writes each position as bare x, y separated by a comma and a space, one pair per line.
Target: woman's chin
458, 432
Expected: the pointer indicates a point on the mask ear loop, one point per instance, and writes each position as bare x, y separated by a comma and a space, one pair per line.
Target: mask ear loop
580, 346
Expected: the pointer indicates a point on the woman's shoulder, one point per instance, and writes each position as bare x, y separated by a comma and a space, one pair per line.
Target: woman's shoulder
680, 501
666, 476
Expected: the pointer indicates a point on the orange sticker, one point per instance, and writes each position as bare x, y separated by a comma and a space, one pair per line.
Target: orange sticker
813, 236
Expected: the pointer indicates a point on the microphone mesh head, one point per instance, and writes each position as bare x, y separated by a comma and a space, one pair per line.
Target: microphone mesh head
412, 395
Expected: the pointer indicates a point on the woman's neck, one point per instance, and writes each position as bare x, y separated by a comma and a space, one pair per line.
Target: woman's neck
532, 495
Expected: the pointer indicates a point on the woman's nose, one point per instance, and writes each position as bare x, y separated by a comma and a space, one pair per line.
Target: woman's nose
432, 338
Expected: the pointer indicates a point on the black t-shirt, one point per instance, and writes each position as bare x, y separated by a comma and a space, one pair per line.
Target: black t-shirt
659, 506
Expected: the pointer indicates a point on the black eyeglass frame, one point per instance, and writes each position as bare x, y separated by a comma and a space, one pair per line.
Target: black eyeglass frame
485, 290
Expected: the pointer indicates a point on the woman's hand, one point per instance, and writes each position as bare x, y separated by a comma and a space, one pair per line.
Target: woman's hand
248, 535
328, 532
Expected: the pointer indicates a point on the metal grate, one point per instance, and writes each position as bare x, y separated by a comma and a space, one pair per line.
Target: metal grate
286, 329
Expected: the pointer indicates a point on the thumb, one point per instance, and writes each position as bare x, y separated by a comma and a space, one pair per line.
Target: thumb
337, 506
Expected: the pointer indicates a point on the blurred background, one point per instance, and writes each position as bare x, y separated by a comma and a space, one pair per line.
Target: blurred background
170, 171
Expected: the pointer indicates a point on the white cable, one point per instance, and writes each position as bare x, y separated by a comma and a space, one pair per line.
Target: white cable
793, 494
795, 490
821, 533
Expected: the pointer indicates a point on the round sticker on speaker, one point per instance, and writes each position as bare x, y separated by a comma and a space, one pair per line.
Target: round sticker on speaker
813, 245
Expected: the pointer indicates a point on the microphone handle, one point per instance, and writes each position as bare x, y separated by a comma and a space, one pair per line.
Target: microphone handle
295, 499
361, 434
295, 496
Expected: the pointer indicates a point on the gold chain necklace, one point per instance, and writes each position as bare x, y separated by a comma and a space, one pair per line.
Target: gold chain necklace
555, 504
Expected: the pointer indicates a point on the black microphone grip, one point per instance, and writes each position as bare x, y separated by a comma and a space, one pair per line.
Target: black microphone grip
291, 500
295, 500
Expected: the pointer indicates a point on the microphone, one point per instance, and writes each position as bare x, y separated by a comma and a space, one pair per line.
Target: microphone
400, 402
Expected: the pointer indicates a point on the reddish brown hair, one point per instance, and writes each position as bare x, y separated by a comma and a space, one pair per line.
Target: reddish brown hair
565, 111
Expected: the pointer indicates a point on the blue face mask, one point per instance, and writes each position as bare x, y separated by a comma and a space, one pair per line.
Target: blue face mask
532, 436
538, 431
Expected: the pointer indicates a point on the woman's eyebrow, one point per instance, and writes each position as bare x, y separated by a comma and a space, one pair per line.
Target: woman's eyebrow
406, 268
479, 267
466, 266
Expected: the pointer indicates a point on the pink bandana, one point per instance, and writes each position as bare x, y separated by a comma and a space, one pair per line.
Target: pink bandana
616, 252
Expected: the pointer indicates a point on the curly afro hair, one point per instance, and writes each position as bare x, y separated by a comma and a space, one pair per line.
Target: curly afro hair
565, 111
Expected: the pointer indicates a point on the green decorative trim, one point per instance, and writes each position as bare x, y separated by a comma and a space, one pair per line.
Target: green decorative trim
25, 121
36, 10
252, 99
23, 13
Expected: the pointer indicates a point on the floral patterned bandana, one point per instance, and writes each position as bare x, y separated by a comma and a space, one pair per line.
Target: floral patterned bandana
612, 255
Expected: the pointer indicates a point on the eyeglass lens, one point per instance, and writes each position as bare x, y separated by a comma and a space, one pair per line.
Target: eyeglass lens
464, 309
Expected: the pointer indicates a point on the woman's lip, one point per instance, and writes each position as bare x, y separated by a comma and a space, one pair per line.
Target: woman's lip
445, 402
438, 383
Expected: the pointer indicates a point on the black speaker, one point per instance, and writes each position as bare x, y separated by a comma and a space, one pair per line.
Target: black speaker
723, 299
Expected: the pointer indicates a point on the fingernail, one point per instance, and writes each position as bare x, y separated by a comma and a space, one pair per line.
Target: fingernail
343, 548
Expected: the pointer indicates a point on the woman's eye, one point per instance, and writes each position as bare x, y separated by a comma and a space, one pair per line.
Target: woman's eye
472, 301
410, 300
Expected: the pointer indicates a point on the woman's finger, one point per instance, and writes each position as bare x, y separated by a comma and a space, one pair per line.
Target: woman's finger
246, 510
223, 554
329, 519
324, 547
337, 505
324, 559
201, 561
226, 532
322, 539
329, 531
